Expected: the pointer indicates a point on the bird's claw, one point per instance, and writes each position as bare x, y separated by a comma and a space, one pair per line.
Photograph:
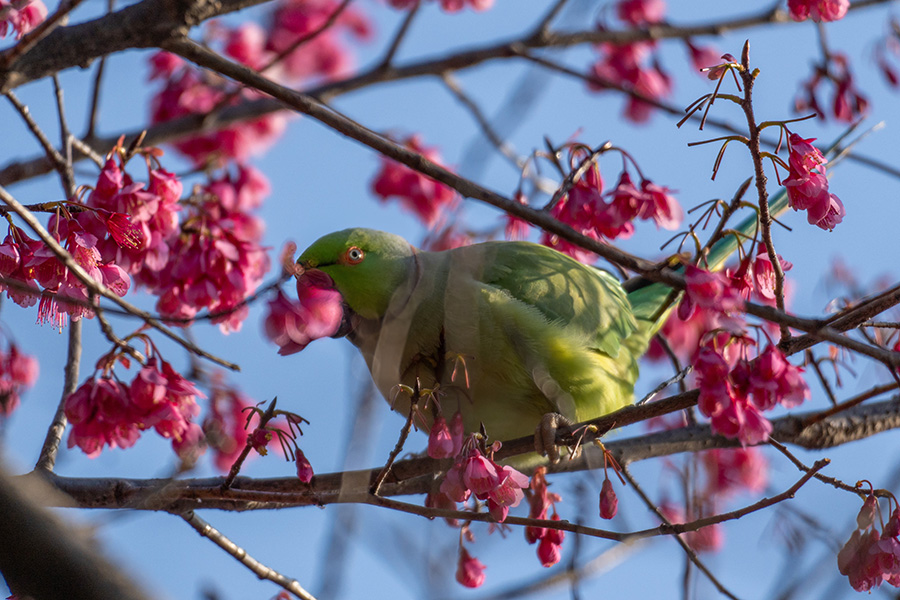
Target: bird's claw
545, 435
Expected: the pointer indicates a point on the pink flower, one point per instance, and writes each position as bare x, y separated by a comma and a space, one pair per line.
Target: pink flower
507, 494
660, 206
224, 425
641, 12
318, 313
818, 10
516, 228
609, 503
324, 56
624, 66
469, 570
23, 16
707, 290
480, 474
733, 469
304, 469
423, 196
550, 549
444, 442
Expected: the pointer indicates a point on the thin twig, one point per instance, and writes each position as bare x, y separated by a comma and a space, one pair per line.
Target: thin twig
692, 556
385, 64
258, 569
398, 447
49, 449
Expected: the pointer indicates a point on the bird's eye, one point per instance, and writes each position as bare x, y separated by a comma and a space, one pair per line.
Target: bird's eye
354, 255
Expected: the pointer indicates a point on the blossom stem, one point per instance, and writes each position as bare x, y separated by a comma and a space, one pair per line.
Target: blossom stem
765, 218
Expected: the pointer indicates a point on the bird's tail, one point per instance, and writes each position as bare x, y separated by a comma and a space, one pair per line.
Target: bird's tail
652, 302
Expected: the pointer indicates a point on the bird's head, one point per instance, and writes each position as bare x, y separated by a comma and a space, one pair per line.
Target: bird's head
367, 266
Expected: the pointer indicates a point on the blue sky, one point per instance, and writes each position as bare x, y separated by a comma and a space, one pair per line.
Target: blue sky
320, 183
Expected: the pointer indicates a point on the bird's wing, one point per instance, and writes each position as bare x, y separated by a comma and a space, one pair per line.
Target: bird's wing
585, 301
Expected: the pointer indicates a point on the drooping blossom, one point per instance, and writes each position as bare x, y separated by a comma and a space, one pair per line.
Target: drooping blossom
807, 185
417, 193
105, 411
585, 209
445, 441
541, 501
848, 103
469, 570
628, 66
729, 470
609, 503
871, 557
707, 289
325, 56
217, 261
21, 16
153, 210
473, 473
226, 424
516, 228
734, 393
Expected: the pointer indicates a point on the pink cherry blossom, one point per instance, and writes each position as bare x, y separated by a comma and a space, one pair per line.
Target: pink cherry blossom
469, 570
444, 442
224, 426
706, 289
318, 313
818, 10
641, 12
324, 56
21, 16
421, 195
609, 503
304, 468
549, 549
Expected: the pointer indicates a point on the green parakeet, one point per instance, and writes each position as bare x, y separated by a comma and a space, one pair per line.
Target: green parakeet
506, 332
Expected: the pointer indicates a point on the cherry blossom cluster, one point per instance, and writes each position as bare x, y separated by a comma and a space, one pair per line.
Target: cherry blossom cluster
871, 557
217, 261
818, 10
634, 66
584, 209
317, 313
450, 6
17, 372
190, 91
476, 474
226, 423
287, 43
709, 300
21, 16
417, 193
540, 502
848, 104
29, 263
734, 393
107, 411
153, 209
807, 184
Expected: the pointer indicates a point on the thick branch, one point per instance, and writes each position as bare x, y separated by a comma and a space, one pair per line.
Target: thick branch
417, 476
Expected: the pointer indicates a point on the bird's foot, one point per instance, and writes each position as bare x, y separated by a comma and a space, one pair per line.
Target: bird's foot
545, 435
